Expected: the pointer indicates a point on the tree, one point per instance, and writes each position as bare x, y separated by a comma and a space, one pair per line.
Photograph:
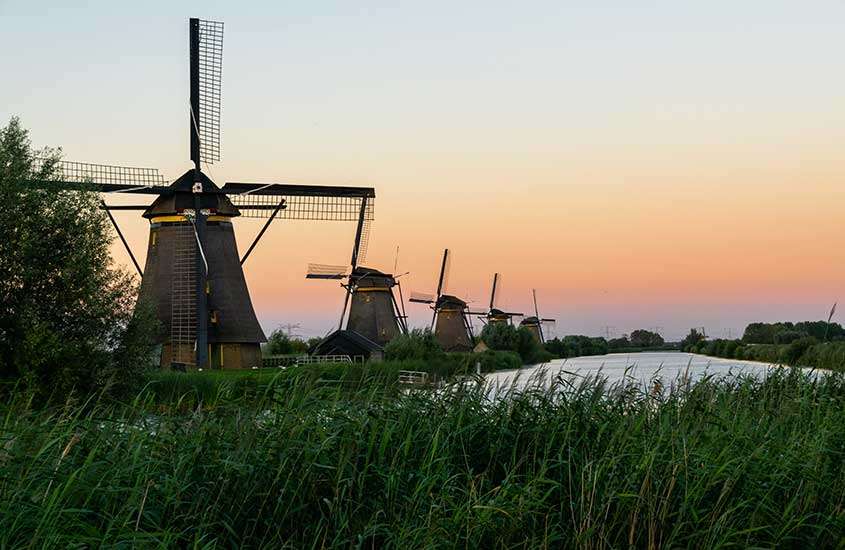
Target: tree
618, 343
280, 343
645, 339
500, 336
691, 340
66, 311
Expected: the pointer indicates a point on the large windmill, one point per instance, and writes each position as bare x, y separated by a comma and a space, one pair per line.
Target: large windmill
451, 321
535, 323
494, 314
374, 311
193, 273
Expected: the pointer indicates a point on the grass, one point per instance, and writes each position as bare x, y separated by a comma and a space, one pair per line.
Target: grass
305, 464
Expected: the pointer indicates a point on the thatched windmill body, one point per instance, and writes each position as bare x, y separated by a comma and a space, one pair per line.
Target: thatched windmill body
450, 321
535, 323
193, 274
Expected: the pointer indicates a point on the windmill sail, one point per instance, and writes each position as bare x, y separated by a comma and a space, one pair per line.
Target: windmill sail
206, 77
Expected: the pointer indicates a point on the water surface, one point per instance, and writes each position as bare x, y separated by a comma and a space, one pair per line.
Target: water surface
643, 368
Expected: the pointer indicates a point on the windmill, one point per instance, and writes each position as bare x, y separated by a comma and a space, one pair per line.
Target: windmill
451, 319
535, 323
193, 273
494, 314
374, 312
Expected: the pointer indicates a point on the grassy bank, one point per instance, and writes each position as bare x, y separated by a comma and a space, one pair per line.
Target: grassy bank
207, 388
308, 464
804, 352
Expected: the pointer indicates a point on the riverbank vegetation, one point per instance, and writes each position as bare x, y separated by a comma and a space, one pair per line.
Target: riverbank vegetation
813, 344
722, 463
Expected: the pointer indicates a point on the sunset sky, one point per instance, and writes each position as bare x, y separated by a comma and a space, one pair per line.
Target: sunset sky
641, 164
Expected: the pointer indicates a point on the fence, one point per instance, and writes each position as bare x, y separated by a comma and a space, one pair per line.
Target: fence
413, 377
284, 361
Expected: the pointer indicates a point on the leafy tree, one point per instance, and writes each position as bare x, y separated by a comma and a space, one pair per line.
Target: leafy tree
618, 343
641, 338
821, 330
691, 341
500, 336
280, 343
577, 345
506, 337
66, 312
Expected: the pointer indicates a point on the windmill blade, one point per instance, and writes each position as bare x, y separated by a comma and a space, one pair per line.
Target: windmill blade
549, 321
304, 202
206, 70
105, 178
325, 271
511, 314
536, 311
476, 313
444, 273
422, 298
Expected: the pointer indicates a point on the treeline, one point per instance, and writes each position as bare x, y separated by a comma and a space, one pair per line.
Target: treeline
787, 332
816, 344
578, 345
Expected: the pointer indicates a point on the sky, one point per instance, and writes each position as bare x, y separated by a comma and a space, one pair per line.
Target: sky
650, 164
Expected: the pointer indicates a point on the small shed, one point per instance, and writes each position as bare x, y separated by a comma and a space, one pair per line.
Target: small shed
349, 343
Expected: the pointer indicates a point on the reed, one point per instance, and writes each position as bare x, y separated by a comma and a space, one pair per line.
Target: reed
304, 464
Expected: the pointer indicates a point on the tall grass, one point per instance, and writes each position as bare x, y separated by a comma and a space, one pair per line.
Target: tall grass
305, 464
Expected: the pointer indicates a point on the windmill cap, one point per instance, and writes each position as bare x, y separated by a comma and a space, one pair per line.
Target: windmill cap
179, 196
448, 299
366, 276
530, 321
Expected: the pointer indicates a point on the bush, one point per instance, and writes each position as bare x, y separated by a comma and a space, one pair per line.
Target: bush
506, 337
492, 360
791, 354
417, 344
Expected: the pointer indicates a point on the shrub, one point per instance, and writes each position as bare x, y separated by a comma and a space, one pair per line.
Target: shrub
791, 354
417, 344
492, 360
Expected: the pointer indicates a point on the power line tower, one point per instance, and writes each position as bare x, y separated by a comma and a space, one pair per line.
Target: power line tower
289, 328
608, 331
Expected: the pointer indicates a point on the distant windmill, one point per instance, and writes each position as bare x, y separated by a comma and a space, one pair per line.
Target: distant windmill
193, 274
451, 319
494, 314
535, 323
374, 311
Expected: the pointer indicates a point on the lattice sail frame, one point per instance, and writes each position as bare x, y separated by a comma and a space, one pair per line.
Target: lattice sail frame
326, 271
210, 88
103, 174
301, 207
